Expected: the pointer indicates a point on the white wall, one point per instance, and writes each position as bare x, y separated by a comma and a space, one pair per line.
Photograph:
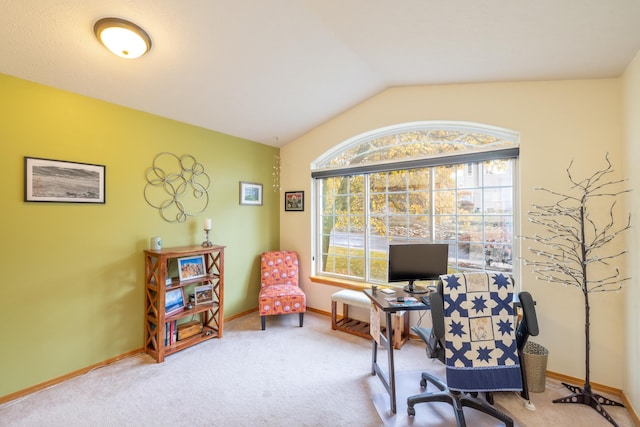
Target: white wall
631, 91
558, 121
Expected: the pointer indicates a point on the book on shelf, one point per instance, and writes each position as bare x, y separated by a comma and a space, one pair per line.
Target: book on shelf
170, 332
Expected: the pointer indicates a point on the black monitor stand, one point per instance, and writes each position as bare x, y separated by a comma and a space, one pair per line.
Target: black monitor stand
412, 289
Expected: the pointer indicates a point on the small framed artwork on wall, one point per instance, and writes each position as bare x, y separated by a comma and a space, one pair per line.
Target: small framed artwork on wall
294, 201
250, 193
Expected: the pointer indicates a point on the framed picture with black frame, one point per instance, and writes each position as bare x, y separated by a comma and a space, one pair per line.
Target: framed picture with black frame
294, 201
47, 180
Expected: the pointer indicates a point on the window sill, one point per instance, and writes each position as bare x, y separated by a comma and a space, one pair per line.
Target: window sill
346, 284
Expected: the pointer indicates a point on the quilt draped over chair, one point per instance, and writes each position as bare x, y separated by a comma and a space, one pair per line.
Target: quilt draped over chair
474, 334
279, 290
481, 349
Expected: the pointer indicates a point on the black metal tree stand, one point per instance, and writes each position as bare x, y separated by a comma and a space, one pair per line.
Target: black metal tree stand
584, 394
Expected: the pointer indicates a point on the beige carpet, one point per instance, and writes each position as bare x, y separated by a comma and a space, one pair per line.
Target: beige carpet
284, 376
440, 414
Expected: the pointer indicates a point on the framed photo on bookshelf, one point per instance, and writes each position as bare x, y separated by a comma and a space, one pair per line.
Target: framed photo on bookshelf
204, 294
191, 267
173, 302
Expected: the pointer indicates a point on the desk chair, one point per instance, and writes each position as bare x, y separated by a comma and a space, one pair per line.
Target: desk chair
279, 290
474, 334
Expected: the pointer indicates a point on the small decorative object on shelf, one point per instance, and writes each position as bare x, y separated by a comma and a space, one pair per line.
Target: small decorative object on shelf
155, 243
172, 322
207, 229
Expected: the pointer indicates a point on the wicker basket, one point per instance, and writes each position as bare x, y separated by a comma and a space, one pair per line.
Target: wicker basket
535, 365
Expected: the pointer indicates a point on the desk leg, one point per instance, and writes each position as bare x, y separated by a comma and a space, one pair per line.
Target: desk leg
374, 356
392, 370
388, 380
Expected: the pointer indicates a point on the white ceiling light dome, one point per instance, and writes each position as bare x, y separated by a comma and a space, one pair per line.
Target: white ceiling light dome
122, 37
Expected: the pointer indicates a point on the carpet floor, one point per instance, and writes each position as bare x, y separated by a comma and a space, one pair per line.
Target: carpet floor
283, 376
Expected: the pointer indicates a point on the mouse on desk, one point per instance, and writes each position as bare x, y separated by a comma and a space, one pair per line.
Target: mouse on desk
400, 299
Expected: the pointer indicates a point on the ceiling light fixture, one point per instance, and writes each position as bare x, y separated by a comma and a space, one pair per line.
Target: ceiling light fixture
122, 37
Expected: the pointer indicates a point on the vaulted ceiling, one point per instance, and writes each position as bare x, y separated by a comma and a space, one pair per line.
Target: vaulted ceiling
271, 70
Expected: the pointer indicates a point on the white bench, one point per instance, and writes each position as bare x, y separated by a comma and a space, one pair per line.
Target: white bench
358, 327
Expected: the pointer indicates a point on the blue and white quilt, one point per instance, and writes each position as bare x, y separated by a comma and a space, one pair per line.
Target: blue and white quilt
481, 351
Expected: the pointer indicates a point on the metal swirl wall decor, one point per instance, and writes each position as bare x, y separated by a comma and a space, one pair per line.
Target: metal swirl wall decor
177, 186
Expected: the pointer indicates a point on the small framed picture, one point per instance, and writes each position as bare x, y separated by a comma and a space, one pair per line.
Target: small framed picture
191, 267
204, 294
174, 301
250, 193
294, 200
60, 181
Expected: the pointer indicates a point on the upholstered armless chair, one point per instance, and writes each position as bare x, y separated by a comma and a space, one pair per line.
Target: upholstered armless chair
279, 290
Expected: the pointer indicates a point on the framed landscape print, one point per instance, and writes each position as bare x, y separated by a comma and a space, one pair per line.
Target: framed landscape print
294, 201
47, 180
174, 302
191, 267
204, 294
250, 193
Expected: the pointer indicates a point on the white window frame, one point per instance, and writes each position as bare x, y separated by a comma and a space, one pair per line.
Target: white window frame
457, 157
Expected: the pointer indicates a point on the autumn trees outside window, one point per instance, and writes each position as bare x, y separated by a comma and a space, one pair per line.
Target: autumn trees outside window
441, 182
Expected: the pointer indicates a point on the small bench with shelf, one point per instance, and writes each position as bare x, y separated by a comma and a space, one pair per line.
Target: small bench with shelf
360, 328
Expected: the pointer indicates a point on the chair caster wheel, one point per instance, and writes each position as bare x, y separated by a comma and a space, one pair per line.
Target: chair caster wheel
411, 411
423, 383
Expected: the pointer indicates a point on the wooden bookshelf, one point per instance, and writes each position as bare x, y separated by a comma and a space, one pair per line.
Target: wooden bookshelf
162, 264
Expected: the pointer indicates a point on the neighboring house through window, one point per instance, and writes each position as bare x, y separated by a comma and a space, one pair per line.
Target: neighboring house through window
431, 182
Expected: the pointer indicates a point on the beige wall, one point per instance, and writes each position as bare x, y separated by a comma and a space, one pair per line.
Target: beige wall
631, 91
558, 121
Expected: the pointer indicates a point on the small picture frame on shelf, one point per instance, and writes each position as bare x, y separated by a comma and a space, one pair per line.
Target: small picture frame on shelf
174, 302
204, 294
191, 267
250, 193
294, 201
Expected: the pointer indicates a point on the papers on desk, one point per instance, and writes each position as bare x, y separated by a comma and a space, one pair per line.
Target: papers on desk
374, 323
408, 301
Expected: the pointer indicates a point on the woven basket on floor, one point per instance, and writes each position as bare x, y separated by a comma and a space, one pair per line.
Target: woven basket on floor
535, 363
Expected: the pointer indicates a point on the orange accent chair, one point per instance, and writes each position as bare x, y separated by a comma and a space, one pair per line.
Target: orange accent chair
279, 290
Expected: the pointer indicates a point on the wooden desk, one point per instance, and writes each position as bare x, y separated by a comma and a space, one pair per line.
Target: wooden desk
379, 299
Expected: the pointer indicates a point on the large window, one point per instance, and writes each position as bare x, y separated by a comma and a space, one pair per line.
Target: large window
432, 182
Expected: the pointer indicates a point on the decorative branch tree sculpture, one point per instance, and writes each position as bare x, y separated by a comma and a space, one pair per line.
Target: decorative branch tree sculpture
573, 243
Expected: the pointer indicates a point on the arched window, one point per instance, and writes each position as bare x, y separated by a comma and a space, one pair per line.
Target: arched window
440, 182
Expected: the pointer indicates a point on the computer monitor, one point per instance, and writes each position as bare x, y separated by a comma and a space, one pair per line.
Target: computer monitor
417, 261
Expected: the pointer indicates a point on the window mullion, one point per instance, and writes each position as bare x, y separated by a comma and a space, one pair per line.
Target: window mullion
367, 224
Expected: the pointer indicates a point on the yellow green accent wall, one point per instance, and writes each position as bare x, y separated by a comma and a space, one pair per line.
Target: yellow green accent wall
73, 274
